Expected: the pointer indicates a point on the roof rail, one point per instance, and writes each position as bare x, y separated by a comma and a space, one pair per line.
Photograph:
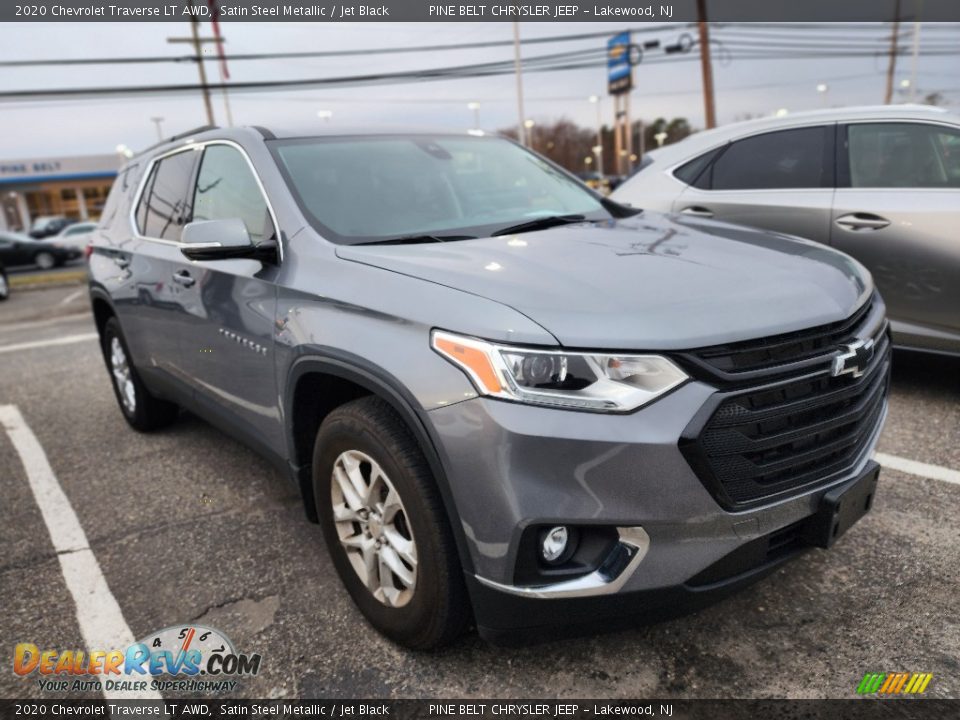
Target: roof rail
180, 136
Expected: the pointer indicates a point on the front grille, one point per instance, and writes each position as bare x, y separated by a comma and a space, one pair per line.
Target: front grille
749, 358
789, 434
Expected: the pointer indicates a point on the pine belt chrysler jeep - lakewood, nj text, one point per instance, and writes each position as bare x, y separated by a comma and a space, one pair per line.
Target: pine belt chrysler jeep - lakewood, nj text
505, 398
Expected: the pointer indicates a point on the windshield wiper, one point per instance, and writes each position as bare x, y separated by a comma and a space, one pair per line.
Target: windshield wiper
414, 239
541, 224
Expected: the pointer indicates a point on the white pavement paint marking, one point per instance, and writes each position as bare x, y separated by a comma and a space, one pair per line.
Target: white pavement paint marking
912, 467
98, 614
68, 340
71, 297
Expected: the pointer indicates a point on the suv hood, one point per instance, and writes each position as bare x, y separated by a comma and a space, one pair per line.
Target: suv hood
650, 282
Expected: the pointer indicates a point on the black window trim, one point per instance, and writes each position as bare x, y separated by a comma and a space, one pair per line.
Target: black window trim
199, 148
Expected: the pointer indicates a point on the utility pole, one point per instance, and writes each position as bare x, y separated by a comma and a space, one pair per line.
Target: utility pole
521, 115
196, 41
706, 67
892, 65
916, 53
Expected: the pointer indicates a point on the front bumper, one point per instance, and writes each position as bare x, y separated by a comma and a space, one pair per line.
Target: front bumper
511, 466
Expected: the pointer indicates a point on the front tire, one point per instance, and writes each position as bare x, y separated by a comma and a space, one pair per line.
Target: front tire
140, 409
385, 527
4, 285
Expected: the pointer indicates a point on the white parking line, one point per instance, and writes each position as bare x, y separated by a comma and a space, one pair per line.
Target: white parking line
98, 614
912, 467
71, 297
68, 340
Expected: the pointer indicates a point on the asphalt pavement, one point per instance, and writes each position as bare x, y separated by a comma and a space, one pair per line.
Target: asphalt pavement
190, 527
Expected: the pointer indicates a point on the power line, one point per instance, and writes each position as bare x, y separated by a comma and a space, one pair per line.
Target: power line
334, 53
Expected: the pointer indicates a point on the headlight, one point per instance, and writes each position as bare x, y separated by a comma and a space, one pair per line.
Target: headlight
585, 381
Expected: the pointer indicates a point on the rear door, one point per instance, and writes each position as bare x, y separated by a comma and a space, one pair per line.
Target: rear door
147, 295
781, 181
227, 340
897, 211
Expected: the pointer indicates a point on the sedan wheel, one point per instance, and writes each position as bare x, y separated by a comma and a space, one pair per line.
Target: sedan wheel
44, 260
373, 528
4, 286
120, 368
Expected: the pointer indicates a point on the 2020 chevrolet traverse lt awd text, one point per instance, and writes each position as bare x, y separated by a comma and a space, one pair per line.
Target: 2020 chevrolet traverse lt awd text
501, 395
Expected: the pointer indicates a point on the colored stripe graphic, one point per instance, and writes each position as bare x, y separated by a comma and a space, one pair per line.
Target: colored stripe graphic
894, 683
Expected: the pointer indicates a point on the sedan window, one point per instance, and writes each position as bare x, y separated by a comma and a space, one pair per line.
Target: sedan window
775, 160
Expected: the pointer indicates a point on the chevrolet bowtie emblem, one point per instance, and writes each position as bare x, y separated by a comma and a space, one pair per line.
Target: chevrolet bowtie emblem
853, 358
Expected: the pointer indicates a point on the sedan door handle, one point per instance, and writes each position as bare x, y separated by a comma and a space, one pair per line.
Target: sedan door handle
861, 221
184, 278
697, 211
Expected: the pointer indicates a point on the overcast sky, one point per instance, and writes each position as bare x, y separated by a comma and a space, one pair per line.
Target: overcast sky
754, 87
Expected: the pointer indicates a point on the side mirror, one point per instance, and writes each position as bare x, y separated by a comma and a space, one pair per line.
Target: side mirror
223, 240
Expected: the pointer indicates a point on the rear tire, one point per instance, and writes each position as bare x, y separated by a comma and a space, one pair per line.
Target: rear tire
392, 545
44, 260
140, 409
4, 285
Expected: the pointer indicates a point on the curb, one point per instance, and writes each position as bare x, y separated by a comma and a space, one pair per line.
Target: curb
39, 281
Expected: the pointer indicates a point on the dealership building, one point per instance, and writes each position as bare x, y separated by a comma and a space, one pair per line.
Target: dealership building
75, 187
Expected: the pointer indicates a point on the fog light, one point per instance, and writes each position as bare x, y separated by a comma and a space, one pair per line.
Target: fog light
554, 543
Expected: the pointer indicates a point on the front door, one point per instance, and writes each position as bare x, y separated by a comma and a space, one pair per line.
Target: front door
226, 344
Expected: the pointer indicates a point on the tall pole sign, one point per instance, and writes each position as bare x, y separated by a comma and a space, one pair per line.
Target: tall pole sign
622, 55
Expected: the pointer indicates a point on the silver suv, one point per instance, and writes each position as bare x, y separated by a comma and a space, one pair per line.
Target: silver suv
881, 183
504, 397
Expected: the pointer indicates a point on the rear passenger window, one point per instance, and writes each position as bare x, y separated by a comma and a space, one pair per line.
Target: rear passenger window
903, 155
227, 189
773, 161
162, 210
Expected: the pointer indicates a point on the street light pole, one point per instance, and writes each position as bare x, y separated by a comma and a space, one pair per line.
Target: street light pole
521, 115
595, 99
158, 121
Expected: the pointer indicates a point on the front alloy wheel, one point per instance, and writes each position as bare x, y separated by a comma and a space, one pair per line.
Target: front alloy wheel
373, 528
385, 525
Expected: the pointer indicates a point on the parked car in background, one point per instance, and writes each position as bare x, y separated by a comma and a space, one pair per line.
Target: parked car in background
4, 283
879, 183
504, 397
18, 250
77, 235
47, 225
595, 181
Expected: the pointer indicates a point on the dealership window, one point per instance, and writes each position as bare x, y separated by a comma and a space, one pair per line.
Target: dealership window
162, 208
903, 155
776, 160
227, 188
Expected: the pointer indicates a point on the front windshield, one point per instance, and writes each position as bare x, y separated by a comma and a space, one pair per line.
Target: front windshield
364, 189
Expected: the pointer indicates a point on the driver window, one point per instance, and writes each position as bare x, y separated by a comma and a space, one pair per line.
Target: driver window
226, 188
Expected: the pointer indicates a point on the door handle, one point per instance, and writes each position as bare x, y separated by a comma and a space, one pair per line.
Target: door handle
184, 278
121, 261
697, 211
861, 221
